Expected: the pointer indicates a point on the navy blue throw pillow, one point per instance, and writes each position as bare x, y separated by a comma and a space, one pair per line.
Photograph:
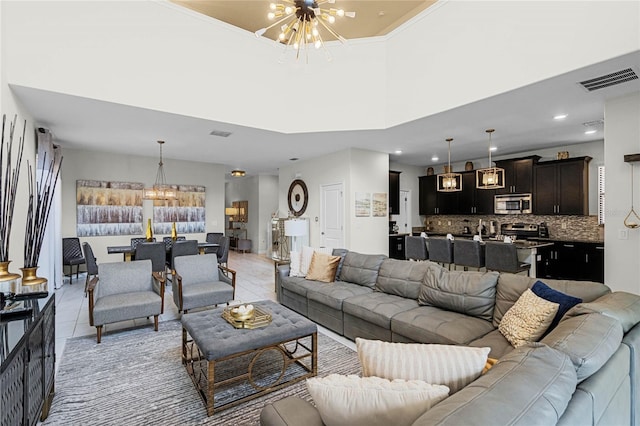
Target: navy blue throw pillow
565, 301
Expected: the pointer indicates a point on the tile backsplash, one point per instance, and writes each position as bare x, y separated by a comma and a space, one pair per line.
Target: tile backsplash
584, 228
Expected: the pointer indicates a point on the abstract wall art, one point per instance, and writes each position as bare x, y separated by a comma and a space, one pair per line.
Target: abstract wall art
108, 208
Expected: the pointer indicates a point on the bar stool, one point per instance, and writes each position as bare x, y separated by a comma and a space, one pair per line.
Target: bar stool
415, 248
503, 257
441, 251
469, 253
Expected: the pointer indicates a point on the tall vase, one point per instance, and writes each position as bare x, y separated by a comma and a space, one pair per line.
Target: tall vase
149, 233
29, 276
174, 232
5, 275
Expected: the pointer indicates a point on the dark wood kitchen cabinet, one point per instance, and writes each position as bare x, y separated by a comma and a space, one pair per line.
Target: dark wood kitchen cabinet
394, 192
569, 260
518, 175
562, 187
396, 247
472, 200
431, 201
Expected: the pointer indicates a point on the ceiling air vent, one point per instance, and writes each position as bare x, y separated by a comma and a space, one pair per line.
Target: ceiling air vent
220, 133
609, 80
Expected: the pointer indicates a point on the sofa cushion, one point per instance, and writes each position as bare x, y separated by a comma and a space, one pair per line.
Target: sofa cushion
332, 294
449, 365
365, 401
298, 285
470, 293
532, 385
589, 340
361, 269
428, 324
511, 286
528, 319
564, 301
377, 308
342, 253
499, 344
625, 307
323, 267
402, 278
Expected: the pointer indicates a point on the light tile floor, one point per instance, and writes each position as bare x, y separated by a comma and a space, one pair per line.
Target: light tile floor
254, 281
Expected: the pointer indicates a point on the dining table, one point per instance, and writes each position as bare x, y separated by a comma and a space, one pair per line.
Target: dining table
128, 251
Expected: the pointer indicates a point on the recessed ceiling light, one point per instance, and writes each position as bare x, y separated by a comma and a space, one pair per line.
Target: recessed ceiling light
560, 116
434, 158
238, 173
494, 148
398, 152
590, 132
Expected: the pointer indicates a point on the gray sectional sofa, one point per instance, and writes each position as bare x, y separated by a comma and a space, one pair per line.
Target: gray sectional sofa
584, 372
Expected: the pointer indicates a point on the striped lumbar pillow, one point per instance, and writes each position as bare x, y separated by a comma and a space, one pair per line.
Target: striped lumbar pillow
449, 365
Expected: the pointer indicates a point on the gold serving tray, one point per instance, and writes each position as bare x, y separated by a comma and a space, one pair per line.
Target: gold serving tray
260, 318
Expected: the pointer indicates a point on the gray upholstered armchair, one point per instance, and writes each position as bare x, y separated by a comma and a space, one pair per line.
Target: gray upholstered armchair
125, 291
200, 282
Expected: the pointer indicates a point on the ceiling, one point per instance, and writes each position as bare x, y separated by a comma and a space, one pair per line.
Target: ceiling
375, 18
523, 118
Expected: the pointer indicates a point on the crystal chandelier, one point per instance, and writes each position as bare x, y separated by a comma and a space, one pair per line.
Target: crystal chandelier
160, 189
492, 177
300, 22
448, 181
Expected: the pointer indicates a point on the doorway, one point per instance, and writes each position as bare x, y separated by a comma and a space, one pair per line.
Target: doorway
332, 215
403, 220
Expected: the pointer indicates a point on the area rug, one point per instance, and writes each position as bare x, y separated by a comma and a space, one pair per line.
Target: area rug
135, 377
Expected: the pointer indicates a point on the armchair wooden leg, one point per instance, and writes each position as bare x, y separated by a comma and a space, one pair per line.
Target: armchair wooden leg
155, 322
99, 332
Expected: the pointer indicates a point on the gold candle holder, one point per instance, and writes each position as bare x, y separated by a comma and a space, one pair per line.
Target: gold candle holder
29, 276
5, 275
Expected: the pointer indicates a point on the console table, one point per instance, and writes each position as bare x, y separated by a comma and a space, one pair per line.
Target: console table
238, 239
28, 356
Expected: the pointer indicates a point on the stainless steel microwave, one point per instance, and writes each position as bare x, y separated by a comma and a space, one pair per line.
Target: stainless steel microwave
513, 204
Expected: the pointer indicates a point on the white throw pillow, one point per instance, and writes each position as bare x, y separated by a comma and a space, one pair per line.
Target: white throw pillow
294, 264
370, 401
449, 365
528, 319
307, 254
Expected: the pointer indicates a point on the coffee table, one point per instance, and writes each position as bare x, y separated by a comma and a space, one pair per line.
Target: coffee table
257, 361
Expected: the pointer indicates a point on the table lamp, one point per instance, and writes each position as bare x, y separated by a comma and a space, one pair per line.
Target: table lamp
295, 228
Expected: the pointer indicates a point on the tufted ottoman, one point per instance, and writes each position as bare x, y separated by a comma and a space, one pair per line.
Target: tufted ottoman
218, 355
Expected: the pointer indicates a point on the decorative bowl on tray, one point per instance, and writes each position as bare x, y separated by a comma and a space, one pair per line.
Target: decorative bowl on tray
242, 312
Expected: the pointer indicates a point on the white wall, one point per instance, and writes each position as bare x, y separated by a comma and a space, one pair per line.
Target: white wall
126, 52
82, 164
622, 136
268, 206
358, 171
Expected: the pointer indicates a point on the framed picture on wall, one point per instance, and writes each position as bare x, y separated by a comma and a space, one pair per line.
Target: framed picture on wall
379, 204
363, 204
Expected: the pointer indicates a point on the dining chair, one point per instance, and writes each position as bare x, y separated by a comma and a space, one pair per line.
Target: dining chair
213, 237
72, 256
134, 244
223, 250
182, 248
154, 252
92, 265
469, 253
415, 248
503, 257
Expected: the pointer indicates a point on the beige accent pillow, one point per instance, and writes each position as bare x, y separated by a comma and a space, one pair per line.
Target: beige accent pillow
528, 319
323, 267
307, 255
449, 365
371, 401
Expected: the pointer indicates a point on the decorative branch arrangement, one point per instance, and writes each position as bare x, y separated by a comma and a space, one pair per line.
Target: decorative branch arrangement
40, 200
8, 185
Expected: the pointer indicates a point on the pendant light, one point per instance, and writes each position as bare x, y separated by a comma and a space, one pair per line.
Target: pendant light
448, 181
160, 189
491, 177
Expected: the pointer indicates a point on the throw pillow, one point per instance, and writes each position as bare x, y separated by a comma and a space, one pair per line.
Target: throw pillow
527, 319
449, 365
564, 301
307, 254
490, 363
369, 401
323, 267
294, 264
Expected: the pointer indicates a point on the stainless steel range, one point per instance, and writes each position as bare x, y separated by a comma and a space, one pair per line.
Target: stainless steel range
520, 230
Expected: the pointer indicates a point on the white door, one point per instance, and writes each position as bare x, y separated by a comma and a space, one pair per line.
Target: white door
403, 220
332, 216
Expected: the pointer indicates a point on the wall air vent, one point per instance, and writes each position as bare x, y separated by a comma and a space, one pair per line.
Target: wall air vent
609, 80
594, 123
220, 133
